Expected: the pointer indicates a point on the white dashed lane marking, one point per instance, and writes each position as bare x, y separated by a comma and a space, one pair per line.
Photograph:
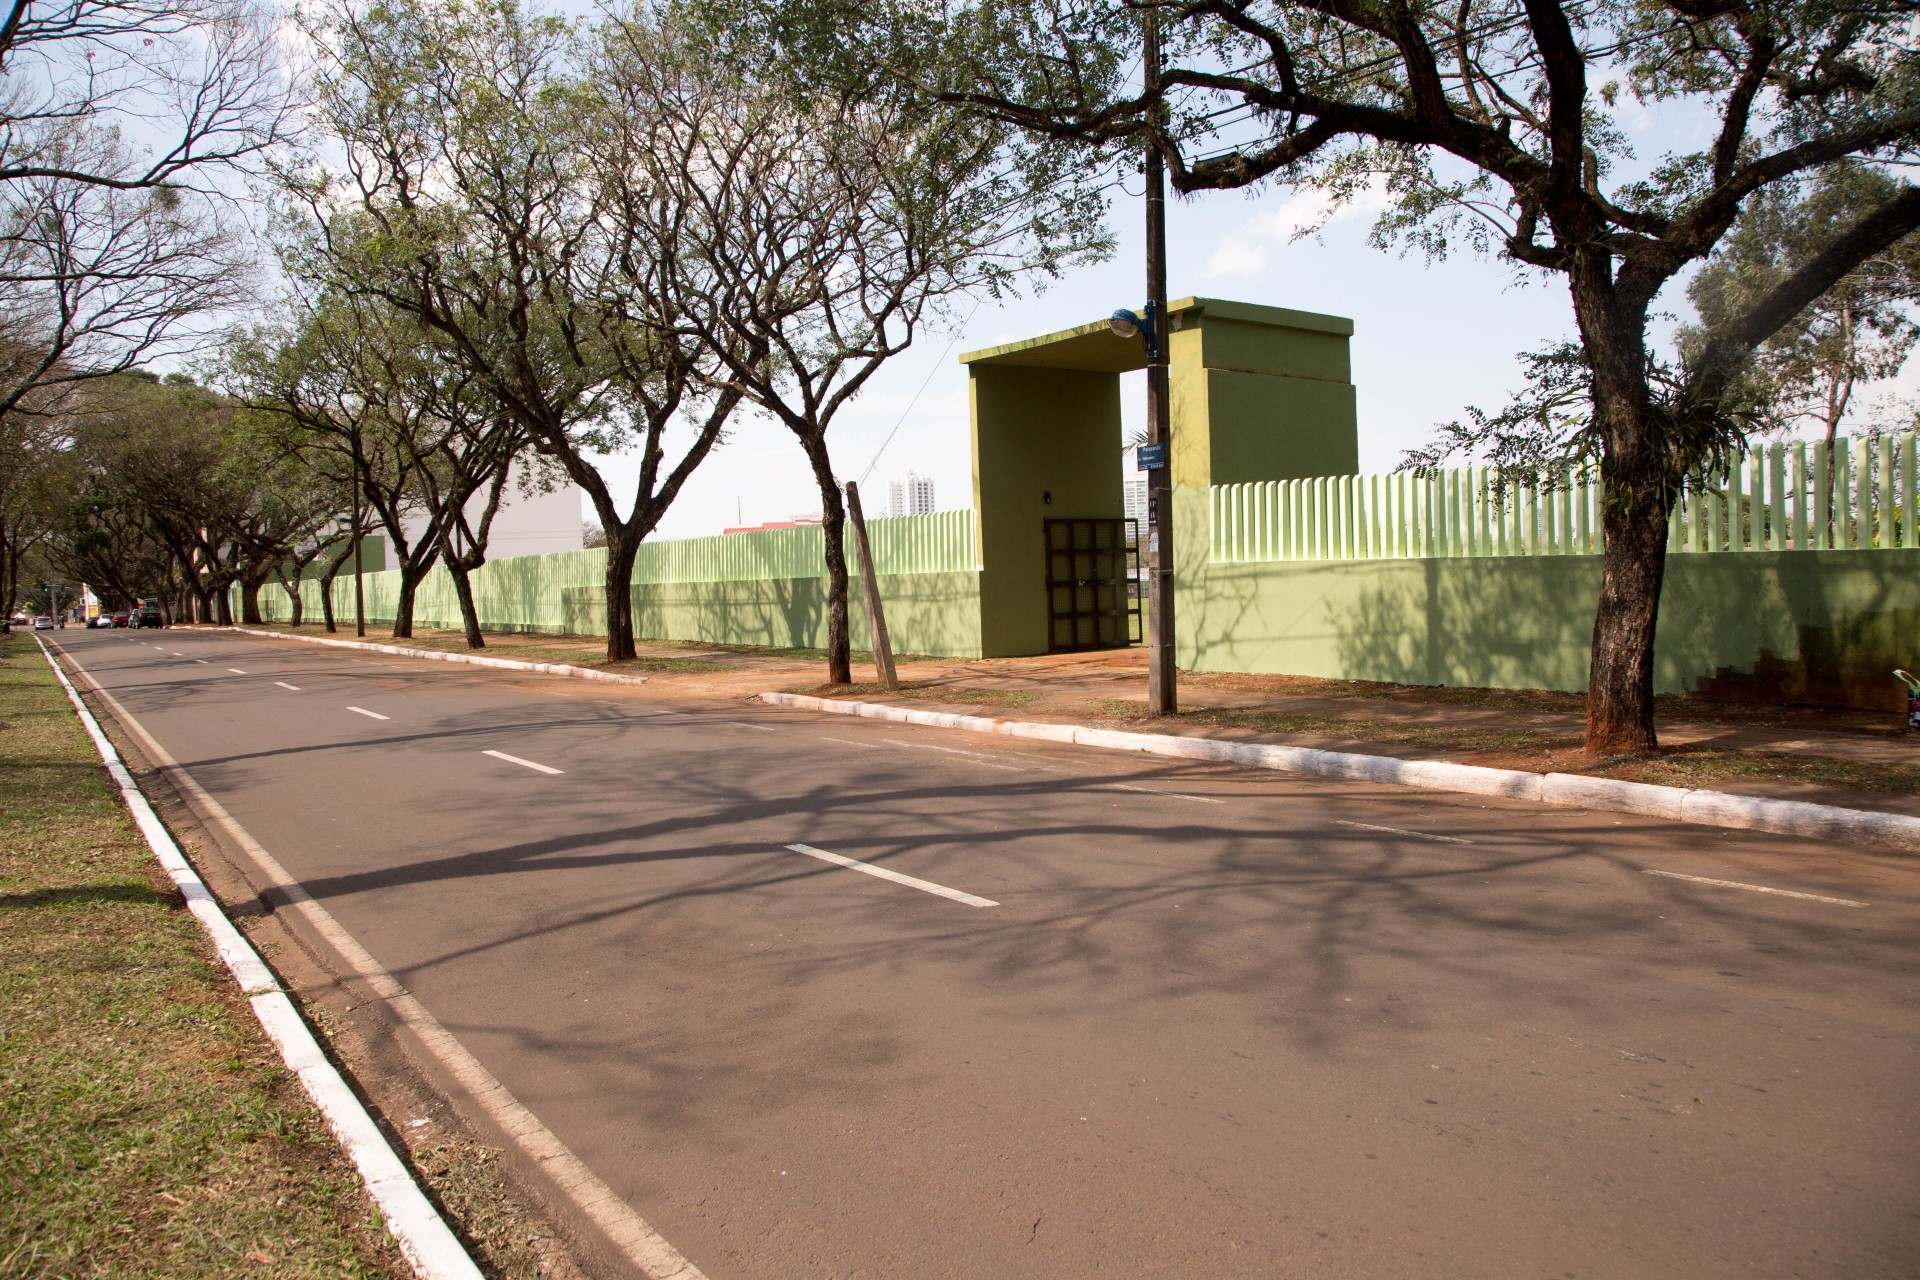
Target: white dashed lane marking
531, 764
912, 882
1757, 888
1398, 831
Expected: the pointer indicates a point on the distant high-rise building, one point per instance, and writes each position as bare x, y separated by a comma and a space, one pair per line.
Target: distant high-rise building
910, 495
1133, 487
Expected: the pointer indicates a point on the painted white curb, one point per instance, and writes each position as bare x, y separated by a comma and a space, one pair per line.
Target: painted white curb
470, 659
424, 1237
1677, 804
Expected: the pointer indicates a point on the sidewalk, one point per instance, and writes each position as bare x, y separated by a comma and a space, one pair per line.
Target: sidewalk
1856, 759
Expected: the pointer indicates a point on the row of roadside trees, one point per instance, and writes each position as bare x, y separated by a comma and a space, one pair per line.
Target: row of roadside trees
509, 237
512, 245
560, 240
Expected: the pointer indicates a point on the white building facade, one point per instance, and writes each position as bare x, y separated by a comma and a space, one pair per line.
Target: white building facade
910, 495
1133, 487
527, 523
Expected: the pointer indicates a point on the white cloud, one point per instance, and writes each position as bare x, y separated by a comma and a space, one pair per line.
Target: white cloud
1247, 250
1239, 255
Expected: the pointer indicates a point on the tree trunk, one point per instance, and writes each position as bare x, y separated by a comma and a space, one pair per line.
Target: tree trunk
623, 547
469, 615
326, 596
403, 607
9, 577
833, 528
1620, 679
250, 602
223, 605
296, 603
1635, 487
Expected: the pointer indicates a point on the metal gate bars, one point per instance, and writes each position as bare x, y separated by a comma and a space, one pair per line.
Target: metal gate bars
1093, 584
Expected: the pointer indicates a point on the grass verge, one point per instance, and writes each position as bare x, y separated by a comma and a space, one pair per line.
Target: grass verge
147, 1126
1547, 751
1709, 767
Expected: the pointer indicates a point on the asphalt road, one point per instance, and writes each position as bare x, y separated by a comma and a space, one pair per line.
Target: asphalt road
1216, 1022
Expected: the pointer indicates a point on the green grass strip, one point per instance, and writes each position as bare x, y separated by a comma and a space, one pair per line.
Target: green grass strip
147, 1126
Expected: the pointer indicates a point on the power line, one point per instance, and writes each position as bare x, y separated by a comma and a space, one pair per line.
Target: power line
923, 387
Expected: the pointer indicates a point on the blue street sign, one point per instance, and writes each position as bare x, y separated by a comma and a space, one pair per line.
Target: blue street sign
1150, 457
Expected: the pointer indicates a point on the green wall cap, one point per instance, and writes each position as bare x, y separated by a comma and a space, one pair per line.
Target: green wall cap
1253, 313
1094, 348
1089, 348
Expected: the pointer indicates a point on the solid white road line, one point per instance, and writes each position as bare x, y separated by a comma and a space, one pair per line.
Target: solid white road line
1757, 888
1171, 795
542, 768
237, 671
763, 728
1397, 831
375, 715
644, 1247
284, 685
925, 886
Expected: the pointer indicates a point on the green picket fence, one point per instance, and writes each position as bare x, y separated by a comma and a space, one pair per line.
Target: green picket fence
938, 542
1797, 495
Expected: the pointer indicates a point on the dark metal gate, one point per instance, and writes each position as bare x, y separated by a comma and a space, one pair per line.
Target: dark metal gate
1093, 584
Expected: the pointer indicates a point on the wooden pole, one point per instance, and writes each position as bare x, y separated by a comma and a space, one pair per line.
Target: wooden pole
870, 592
1163, 698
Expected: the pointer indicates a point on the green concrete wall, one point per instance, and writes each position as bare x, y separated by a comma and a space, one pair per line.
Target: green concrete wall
927, 613
1818, 626
1046, 445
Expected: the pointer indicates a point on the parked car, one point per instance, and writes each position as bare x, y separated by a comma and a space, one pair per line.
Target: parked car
100, 620
43, 623
122, 617
147, 616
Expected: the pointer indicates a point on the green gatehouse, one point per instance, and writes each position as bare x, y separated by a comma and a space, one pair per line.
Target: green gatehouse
1256, 393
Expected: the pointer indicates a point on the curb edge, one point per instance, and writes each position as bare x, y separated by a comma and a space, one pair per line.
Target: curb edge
1678, 804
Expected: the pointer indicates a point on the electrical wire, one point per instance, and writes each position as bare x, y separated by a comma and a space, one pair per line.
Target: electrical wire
925, 383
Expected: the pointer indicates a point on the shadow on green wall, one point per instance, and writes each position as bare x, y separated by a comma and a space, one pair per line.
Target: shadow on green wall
1477, 624
1822, 627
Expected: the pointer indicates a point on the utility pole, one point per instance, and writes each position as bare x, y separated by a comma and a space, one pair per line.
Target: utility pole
1162, 677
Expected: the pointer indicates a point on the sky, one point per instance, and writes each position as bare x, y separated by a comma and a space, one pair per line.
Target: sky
1429, 339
